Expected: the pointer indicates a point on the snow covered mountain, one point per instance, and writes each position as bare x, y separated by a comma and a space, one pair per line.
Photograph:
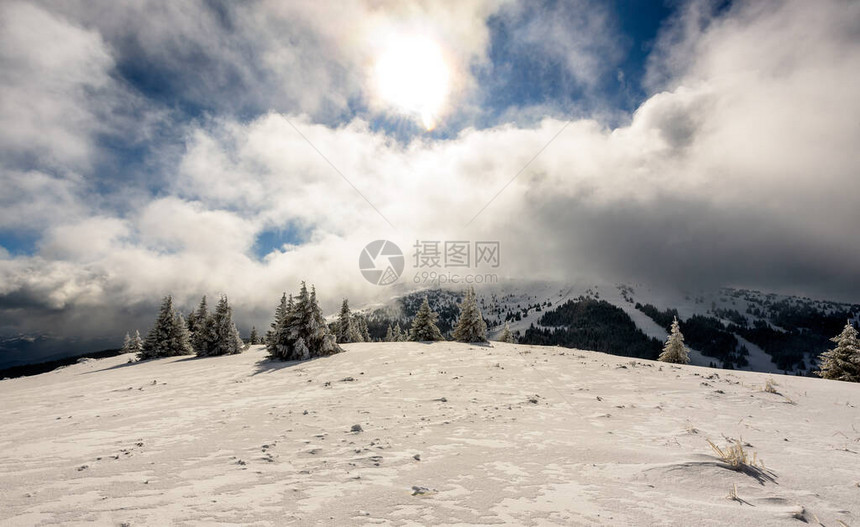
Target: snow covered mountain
728, 328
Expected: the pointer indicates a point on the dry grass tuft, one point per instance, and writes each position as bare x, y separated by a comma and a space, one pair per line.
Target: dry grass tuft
733, 493
770, 386
735, 456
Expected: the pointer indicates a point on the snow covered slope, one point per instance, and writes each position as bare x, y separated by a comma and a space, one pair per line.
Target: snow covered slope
501, 435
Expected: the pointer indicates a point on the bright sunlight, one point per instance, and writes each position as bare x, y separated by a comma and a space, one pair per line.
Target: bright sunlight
411, 75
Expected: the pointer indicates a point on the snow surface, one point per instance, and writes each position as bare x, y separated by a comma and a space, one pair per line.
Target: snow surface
501, 435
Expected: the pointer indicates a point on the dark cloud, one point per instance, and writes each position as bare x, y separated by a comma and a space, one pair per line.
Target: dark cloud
685, 244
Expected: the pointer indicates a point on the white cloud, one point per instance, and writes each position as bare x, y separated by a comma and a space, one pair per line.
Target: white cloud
173, 225
742, 169
50, 71
33, 200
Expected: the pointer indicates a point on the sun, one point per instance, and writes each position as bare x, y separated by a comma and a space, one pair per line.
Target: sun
411, 76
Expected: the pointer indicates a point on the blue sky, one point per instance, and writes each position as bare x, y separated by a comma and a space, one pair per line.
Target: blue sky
221, 147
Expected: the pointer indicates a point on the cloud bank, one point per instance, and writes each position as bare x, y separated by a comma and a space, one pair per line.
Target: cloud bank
739, 168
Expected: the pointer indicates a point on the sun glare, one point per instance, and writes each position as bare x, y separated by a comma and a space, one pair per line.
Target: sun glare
411, 76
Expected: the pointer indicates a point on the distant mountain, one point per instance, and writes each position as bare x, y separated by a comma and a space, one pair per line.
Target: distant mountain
726, 328
18, 350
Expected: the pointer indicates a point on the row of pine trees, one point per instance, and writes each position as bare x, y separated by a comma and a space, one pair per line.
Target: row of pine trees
299, 332
204, 333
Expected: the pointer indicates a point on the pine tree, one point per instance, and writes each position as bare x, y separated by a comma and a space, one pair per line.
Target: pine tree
181, 336
169, 335
253, 340
196, 319
355, 328
320, 340
399, 334
674, 351
506, 335
363, 332
424, 325
278, 325
842, 363
126, 343
345, 331
200, 327
299, 331
471, 326
389, 334
136, 343
222, 337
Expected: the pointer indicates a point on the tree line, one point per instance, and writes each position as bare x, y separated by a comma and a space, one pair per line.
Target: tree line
299, 332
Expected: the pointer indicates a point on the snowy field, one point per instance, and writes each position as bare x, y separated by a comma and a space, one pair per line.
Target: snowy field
501, 435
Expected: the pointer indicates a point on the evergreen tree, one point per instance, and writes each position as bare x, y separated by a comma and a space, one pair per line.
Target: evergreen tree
253, 340
355, 328
126, 343
181, 337
197, 319
222, 337
471, 326
320, 341
506, 335
278, 325
399, 334
674, 350
136, 343
424, 325
345, 331
389, 334
169, 335
842, 363
200, 327
300, 331
363, 332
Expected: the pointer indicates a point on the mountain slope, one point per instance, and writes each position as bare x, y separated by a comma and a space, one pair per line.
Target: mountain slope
728, 328
507, 434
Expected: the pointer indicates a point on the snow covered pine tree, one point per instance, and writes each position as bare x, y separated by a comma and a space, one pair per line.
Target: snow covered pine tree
272, 338
399, 334
471, 326
299, 331
197, 318
674, 351
424, 325
842, 363
360, 323
200, 326
345, 332
169, 335
348, 325
223, 336
132, 344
